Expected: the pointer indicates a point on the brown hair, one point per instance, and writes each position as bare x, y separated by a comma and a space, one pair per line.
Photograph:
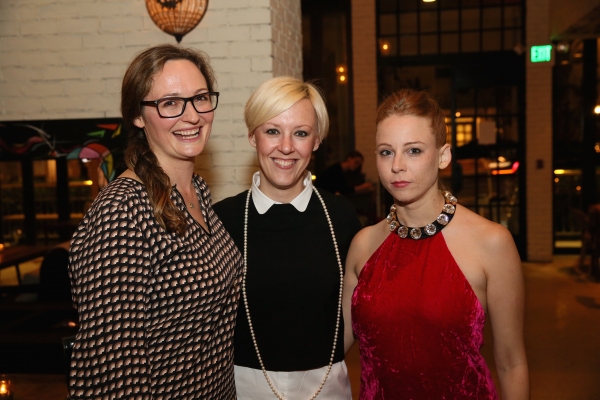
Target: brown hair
137, 83
418, 103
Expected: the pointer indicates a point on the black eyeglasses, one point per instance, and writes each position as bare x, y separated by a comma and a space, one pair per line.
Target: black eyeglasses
171, 107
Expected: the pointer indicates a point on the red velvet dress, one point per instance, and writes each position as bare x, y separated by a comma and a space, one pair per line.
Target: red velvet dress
419, 325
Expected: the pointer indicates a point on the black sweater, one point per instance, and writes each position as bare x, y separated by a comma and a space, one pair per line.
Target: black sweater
292, 281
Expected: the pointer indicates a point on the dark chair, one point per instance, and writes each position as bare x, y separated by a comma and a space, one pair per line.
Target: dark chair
55, 284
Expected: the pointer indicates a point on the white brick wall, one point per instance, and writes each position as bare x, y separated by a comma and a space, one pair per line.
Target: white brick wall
64, 59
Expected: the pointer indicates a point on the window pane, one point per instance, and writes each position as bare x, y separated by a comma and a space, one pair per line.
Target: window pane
470, 19
449, 43
387, 24
409, 5
388, 46
470, 3
428, 6
387, 6
507, 100
408, 45
408, 23
470, 42
513, 16
449, 4
429, 44
486, 101
508, 129
512, 38
449, 20
492, 18
492, 41
429, 22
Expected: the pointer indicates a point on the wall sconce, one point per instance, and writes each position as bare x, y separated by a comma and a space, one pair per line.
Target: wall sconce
342, 74
176, 17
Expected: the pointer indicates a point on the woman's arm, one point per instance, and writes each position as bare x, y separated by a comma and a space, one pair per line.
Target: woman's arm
350, 281
110, 270
363, 245
505, 300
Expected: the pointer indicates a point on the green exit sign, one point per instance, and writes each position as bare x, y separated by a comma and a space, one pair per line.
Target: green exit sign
541, 53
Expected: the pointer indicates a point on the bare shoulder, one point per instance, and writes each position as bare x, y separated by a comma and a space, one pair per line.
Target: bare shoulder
364, 244
486, 234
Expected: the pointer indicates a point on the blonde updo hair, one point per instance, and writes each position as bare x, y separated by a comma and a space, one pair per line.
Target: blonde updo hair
278, 94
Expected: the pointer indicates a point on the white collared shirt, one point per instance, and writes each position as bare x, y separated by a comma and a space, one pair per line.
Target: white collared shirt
262, 202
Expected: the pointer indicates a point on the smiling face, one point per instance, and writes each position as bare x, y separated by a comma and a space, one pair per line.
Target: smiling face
183, 137
284, 145
408, 159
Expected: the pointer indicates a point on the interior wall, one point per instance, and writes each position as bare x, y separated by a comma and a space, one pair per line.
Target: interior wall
64, 59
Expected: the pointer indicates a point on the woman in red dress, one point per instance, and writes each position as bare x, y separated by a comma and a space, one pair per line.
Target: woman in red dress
418, 296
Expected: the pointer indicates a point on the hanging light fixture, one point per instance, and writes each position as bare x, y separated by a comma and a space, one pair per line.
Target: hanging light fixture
176, 17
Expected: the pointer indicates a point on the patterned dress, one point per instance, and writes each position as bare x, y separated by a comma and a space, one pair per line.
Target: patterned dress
157, 311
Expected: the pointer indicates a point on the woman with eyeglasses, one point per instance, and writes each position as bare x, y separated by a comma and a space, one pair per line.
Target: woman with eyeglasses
155, 276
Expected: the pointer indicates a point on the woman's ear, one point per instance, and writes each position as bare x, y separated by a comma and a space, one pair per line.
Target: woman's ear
317, 144
252, 139
139, 122
445, 156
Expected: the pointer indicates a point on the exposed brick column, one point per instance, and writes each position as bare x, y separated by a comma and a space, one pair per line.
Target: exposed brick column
364, 80
539, 137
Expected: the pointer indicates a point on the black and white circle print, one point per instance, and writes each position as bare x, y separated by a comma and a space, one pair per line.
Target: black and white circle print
157, 311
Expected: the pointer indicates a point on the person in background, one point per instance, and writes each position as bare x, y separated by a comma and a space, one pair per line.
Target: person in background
418, 296
294, 239
334, 179
155, 276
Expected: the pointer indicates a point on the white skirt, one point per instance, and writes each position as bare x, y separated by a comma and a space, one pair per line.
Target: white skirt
251, 384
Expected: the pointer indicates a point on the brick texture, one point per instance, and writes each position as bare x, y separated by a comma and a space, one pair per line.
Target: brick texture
539, 138
64, 59
364, 78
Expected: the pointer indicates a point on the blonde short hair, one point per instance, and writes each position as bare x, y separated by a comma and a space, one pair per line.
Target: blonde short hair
278, 94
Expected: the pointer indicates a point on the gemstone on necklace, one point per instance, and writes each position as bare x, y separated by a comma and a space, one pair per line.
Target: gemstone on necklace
390, 218
403, 231
415, 233
443, 219
430, 229
449, 208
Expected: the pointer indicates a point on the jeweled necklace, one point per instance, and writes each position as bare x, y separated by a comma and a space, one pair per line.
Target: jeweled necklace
339, 311
428, 230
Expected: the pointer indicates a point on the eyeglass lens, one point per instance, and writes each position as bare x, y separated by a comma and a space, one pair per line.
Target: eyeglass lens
175, 106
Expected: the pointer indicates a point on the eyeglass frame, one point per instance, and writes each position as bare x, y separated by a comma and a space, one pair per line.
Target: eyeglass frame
185, 101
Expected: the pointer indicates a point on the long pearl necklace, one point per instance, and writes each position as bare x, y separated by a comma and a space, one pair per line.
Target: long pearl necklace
339, 311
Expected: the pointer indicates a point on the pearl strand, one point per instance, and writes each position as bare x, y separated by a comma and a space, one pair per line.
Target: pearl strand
339, 310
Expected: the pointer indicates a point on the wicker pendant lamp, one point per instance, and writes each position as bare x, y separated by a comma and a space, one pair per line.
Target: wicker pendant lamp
176, 17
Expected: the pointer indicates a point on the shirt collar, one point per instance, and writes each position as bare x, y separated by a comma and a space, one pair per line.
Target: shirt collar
262, 202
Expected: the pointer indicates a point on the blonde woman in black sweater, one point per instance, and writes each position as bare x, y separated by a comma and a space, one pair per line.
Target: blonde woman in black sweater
288, 342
